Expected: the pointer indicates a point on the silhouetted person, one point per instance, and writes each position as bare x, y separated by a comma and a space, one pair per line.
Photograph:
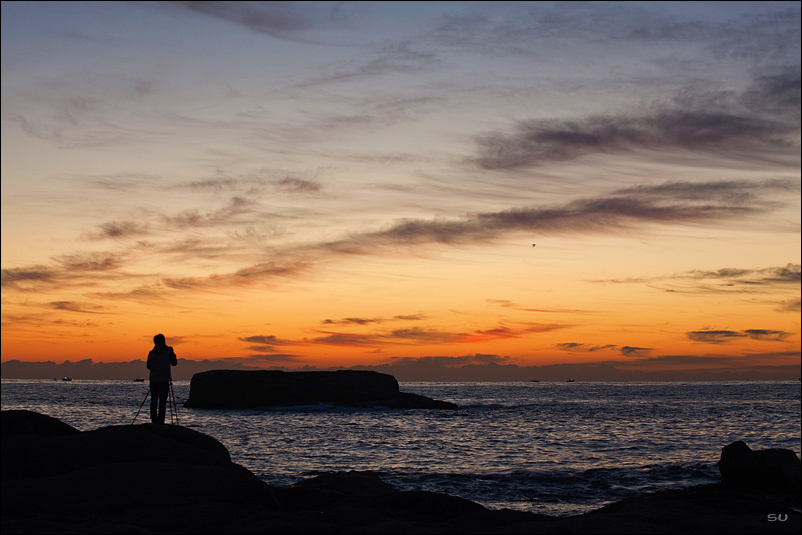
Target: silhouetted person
160, 358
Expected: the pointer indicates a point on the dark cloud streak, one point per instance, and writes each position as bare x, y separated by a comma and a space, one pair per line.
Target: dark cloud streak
672, 203
537, 142
766, 334
714, 337
71, 306
78, 269
269, 339
119, 230
368, 321
585, 348
727, 280
14, 277
621, 211
630, 351
242, 277
277, 19
724, 336
228, 214
765, 116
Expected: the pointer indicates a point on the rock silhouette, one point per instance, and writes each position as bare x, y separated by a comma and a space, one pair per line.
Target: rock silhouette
773, 471
56, 479
238, 389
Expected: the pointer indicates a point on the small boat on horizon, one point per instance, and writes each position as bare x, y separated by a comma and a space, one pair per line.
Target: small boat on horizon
139, 380
66, 378
570, 381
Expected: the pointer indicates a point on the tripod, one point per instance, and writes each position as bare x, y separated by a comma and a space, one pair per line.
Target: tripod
173, 407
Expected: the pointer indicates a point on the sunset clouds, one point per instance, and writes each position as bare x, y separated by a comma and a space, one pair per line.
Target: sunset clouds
341, 184
764, 117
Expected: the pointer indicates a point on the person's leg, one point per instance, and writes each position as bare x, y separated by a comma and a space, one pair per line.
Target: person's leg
158, 401
154, 402
163, 403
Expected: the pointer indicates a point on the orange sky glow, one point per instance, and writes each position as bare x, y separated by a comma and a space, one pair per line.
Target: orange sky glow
361, 184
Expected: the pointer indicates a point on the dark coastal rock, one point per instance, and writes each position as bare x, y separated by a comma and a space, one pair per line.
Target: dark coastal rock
237, 389
130, 478
362, 498
169, 479
36, 452
29, 422
776, 471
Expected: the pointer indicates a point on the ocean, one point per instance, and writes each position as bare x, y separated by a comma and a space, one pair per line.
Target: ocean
550, 448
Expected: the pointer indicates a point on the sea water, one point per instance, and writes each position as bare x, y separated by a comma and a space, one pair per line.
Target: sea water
550, 448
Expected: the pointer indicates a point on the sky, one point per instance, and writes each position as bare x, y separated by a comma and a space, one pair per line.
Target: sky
304, 185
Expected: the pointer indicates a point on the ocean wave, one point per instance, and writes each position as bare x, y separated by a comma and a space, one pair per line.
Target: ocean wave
555, 492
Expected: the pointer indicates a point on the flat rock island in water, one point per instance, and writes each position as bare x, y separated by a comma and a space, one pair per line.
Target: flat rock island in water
238, 389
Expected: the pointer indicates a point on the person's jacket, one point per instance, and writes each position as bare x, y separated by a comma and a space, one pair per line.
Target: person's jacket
160, 359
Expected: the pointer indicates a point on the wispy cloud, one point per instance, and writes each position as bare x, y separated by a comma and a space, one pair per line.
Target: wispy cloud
270, 359
735, 192
39, 321
16, 277
765, 38
94, 261
407, 336
505, 303
691, 361
284, 20
622, 211
585, 348
255, 183
298, 185
348, 339
537, 142
119, 230
734, 127
714, 337
266, 339
770, 37
683, 360
141, 294
726, 280
789, 273
674, 203
792, 305
766, 334
775, 92
243, 277
631, 351
72, 306
451, 362
196, 219
724, 336
627, 351
75, 269
401, 57
153, 223
368, 321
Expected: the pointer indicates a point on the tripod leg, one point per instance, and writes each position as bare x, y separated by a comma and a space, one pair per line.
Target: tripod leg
170, 400
140, 406
173, 407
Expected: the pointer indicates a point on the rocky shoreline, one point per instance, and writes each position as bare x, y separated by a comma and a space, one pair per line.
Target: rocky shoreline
170, 479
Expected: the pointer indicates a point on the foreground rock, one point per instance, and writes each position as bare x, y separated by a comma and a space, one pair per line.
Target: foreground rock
238, 389
169, 479
773, 471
